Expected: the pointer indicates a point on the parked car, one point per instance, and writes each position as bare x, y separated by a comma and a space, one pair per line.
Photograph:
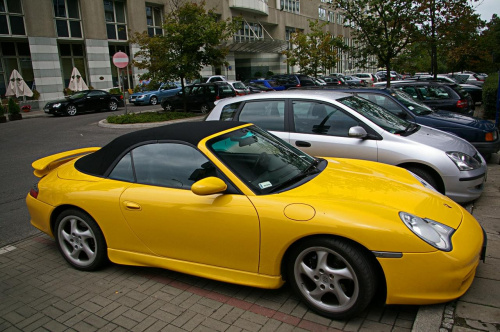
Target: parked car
468, 78
439, 96
255, 87
382, 76
335, 124
198, 96
240, 88
154, 96
354, 81
334, 80
84, 101
369, 78
230, 202
482, 134
475, 91
210, 79
293, 80
270, 84
319, 81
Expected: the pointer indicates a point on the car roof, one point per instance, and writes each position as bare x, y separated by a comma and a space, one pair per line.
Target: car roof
99, 162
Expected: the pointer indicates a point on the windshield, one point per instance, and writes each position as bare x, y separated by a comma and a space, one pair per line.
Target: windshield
262, 161
377, 114
410, 103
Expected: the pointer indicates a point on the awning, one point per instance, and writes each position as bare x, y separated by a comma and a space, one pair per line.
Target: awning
258, 46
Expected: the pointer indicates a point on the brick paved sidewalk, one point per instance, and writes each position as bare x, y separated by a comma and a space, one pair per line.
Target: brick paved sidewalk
39, 291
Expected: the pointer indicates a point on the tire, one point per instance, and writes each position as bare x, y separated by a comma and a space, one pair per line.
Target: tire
80, 240
113, 105
205, 108
332, 276
71, 110
426, 176
153, 100
167, 107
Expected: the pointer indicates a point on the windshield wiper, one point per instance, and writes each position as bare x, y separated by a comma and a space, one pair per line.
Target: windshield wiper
311, 169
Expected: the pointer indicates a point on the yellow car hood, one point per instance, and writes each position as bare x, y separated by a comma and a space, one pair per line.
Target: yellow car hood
358, 185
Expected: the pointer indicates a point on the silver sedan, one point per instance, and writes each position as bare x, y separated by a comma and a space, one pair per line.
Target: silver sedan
334, 124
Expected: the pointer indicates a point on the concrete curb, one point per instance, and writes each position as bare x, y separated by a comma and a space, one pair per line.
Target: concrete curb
104, 123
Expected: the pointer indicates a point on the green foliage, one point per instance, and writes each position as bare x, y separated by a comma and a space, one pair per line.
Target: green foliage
192, 39
116, 91
13, 107
2, 110
149, 117
490, 89
489, 44
314, 52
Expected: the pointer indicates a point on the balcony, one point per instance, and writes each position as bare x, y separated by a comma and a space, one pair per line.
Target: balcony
253, 6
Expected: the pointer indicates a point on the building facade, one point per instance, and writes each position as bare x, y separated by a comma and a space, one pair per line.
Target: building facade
45, 39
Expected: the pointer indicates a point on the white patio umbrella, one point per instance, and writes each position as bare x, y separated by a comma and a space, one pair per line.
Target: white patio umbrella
17, 86
76, 83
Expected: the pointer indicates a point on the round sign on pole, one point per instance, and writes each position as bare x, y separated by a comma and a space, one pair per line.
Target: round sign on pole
120, 59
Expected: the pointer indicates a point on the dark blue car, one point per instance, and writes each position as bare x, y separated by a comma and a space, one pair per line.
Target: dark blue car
481, 133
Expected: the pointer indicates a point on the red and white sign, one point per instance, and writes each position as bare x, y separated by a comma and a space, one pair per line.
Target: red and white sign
120, 59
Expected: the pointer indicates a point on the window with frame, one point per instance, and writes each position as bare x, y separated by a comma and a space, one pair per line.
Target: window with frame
322, 119
172, 165
72, 56
269, 114
15, 55
11, 18
322, 14
154, 20
116, 23
67, 17
292, 6
331, 17
249, 32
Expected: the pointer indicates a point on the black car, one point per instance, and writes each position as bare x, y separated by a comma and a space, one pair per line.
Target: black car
440, 96
293, 80
84, 101
198, 96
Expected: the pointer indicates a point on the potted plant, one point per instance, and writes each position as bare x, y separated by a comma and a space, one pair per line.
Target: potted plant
14, 110
26, 108
3, 118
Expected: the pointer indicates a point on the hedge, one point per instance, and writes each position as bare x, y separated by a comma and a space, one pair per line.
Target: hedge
490, 89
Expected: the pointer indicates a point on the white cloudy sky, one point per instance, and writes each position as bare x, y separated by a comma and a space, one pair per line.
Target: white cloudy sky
486, 8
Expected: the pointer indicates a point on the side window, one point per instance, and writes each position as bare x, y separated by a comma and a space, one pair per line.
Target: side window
439, 92
123, 170
316, 118
411, 91
269, 114
383, 101
228, 111
170, 165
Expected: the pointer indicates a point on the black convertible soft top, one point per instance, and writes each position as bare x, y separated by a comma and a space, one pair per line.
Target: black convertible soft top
99, 162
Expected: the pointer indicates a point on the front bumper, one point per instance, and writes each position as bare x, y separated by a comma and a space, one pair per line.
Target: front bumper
486, 148
434, 277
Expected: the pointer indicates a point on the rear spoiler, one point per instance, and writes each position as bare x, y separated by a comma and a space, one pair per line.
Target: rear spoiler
45, 165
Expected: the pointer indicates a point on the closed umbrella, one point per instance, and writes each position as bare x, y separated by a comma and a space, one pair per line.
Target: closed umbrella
17, 86
76, 83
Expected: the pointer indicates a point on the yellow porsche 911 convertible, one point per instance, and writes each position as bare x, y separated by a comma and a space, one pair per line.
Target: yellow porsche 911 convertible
231, 202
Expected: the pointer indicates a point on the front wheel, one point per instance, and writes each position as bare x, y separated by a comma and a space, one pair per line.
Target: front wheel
332, 276
153, 100
71, 110
80, 240
113, 105
205, 108
425, 175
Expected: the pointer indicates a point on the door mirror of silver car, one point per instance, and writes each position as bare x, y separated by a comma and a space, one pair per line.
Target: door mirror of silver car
357, 132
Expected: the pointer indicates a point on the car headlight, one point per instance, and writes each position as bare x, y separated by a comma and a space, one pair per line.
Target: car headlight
463, 161
141, 96
56, 105
432, 232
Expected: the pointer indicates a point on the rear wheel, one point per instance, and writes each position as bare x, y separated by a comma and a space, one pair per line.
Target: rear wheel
205, 108
153, 100
71, 110
80, 240
113, 105
332, 276
167, 106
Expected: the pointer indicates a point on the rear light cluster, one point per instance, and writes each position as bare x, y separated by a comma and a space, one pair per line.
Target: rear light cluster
491, 136
462, 103
34, 191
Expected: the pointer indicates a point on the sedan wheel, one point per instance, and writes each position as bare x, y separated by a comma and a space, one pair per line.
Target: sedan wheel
153, 100
332, 276
80, 240
71, 110
205, 108
113, 105
167, 107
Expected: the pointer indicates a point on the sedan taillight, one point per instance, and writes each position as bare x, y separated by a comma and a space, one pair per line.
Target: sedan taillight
462, 103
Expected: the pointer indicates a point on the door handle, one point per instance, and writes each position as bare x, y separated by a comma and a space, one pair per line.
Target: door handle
132, 205
302, 144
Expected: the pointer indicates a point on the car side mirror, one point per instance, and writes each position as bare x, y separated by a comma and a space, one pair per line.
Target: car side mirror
209, 186
357, 132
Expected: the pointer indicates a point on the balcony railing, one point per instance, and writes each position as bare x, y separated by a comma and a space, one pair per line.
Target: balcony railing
254, 6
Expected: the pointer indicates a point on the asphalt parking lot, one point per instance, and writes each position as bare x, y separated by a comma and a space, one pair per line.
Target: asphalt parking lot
40, 291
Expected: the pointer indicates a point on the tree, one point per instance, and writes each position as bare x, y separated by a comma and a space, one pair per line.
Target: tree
451, 26
489, 42
191, 39
314, 52
382, 28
